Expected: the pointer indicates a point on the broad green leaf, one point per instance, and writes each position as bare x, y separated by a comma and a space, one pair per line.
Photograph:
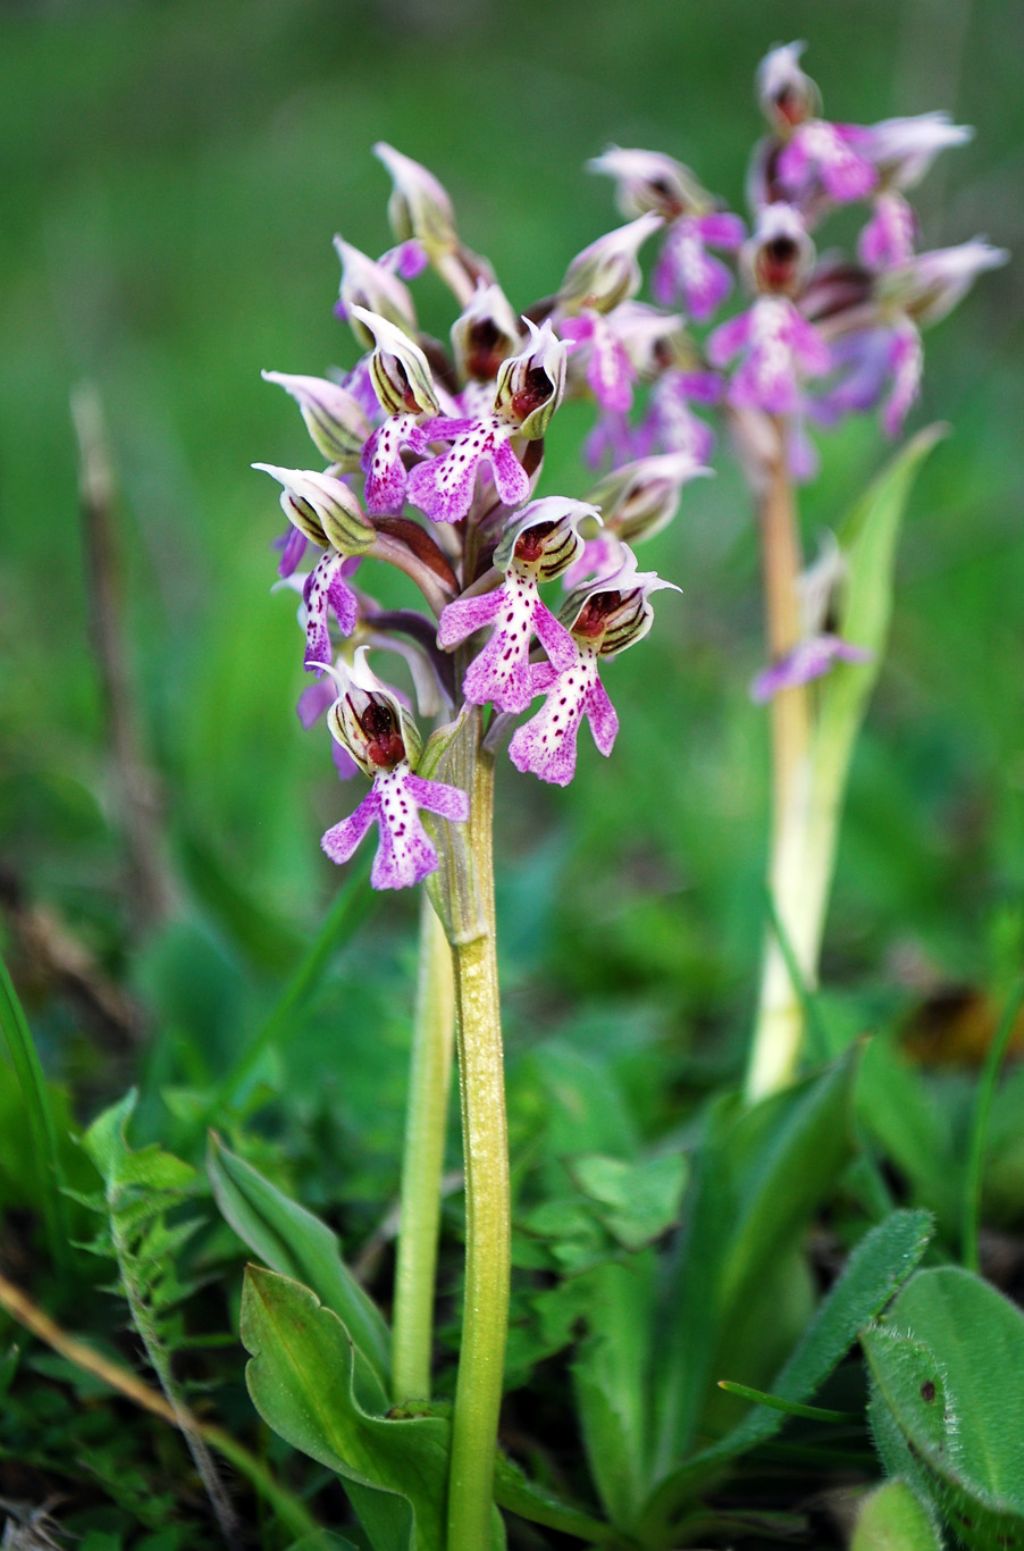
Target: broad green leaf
301, 1379
876, 1269
637, 1202
893, 1518
611, 1377
291, 1240
947, 1370
35, 1096
868, 541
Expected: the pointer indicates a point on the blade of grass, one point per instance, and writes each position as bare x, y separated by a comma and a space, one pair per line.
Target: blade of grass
790, 1407
42, 1126
994, 1058
348, 912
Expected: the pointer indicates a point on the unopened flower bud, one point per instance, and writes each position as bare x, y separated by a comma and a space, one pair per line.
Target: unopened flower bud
486, 334
419, 206
369, 720
614, 613
638, 499
903, 149
545, 540
334, 418
401, 373
373, 287
323, 508
787, 95
649, 180
780, 253
608, 271
927, 287
530, 385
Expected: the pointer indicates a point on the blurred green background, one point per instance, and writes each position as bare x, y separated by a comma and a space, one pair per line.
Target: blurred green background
173, 176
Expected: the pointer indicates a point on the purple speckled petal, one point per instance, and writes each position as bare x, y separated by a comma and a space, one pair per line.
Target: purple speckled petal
811, 351
500, 673
706, 283
730, 338
510, 478
546, 745
888, 238
315, 701
807, 661
905, 363
601, 714
405, 854
340, 842
610, 372
385, 472
467, 615
326, 591
443, 487
449, 802
721, 229
291, 546
665, 282
553, 636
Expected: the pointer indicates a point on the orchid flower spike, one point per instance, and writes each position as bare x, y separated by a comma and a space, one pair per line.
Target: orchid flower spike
323, 508
542, 543
373, 287
603, 619
651, 181
333, 416
370, 722
419, 206
608, 271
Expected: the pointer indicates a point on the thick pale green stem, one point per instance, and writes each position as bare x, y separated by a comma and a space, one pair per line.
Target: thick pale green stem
423, 1163
779, 1030
485, 1158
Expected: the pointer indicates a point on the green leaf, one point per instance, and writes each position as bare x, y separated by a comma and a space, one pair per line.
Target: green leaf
894, 1519
42, 1125
868, 540
294, 1242
947, 1371
515, 1492
301, 1379
637, 1202
611, 1377
879, 1265
760, 1397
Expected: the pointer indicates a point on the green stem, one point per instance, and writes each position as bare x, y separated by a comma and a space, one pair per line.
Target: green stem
488, 1212
423, 1162
779, 1029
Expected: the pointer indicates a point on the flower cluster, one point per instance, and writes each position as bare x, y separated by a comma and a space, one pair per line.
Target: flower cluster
433, 454
432, 460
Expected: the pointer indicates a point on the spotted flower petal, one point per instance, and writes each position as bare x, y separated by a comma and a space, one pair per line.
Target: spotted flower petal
405, 854
444, 486
326, 592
